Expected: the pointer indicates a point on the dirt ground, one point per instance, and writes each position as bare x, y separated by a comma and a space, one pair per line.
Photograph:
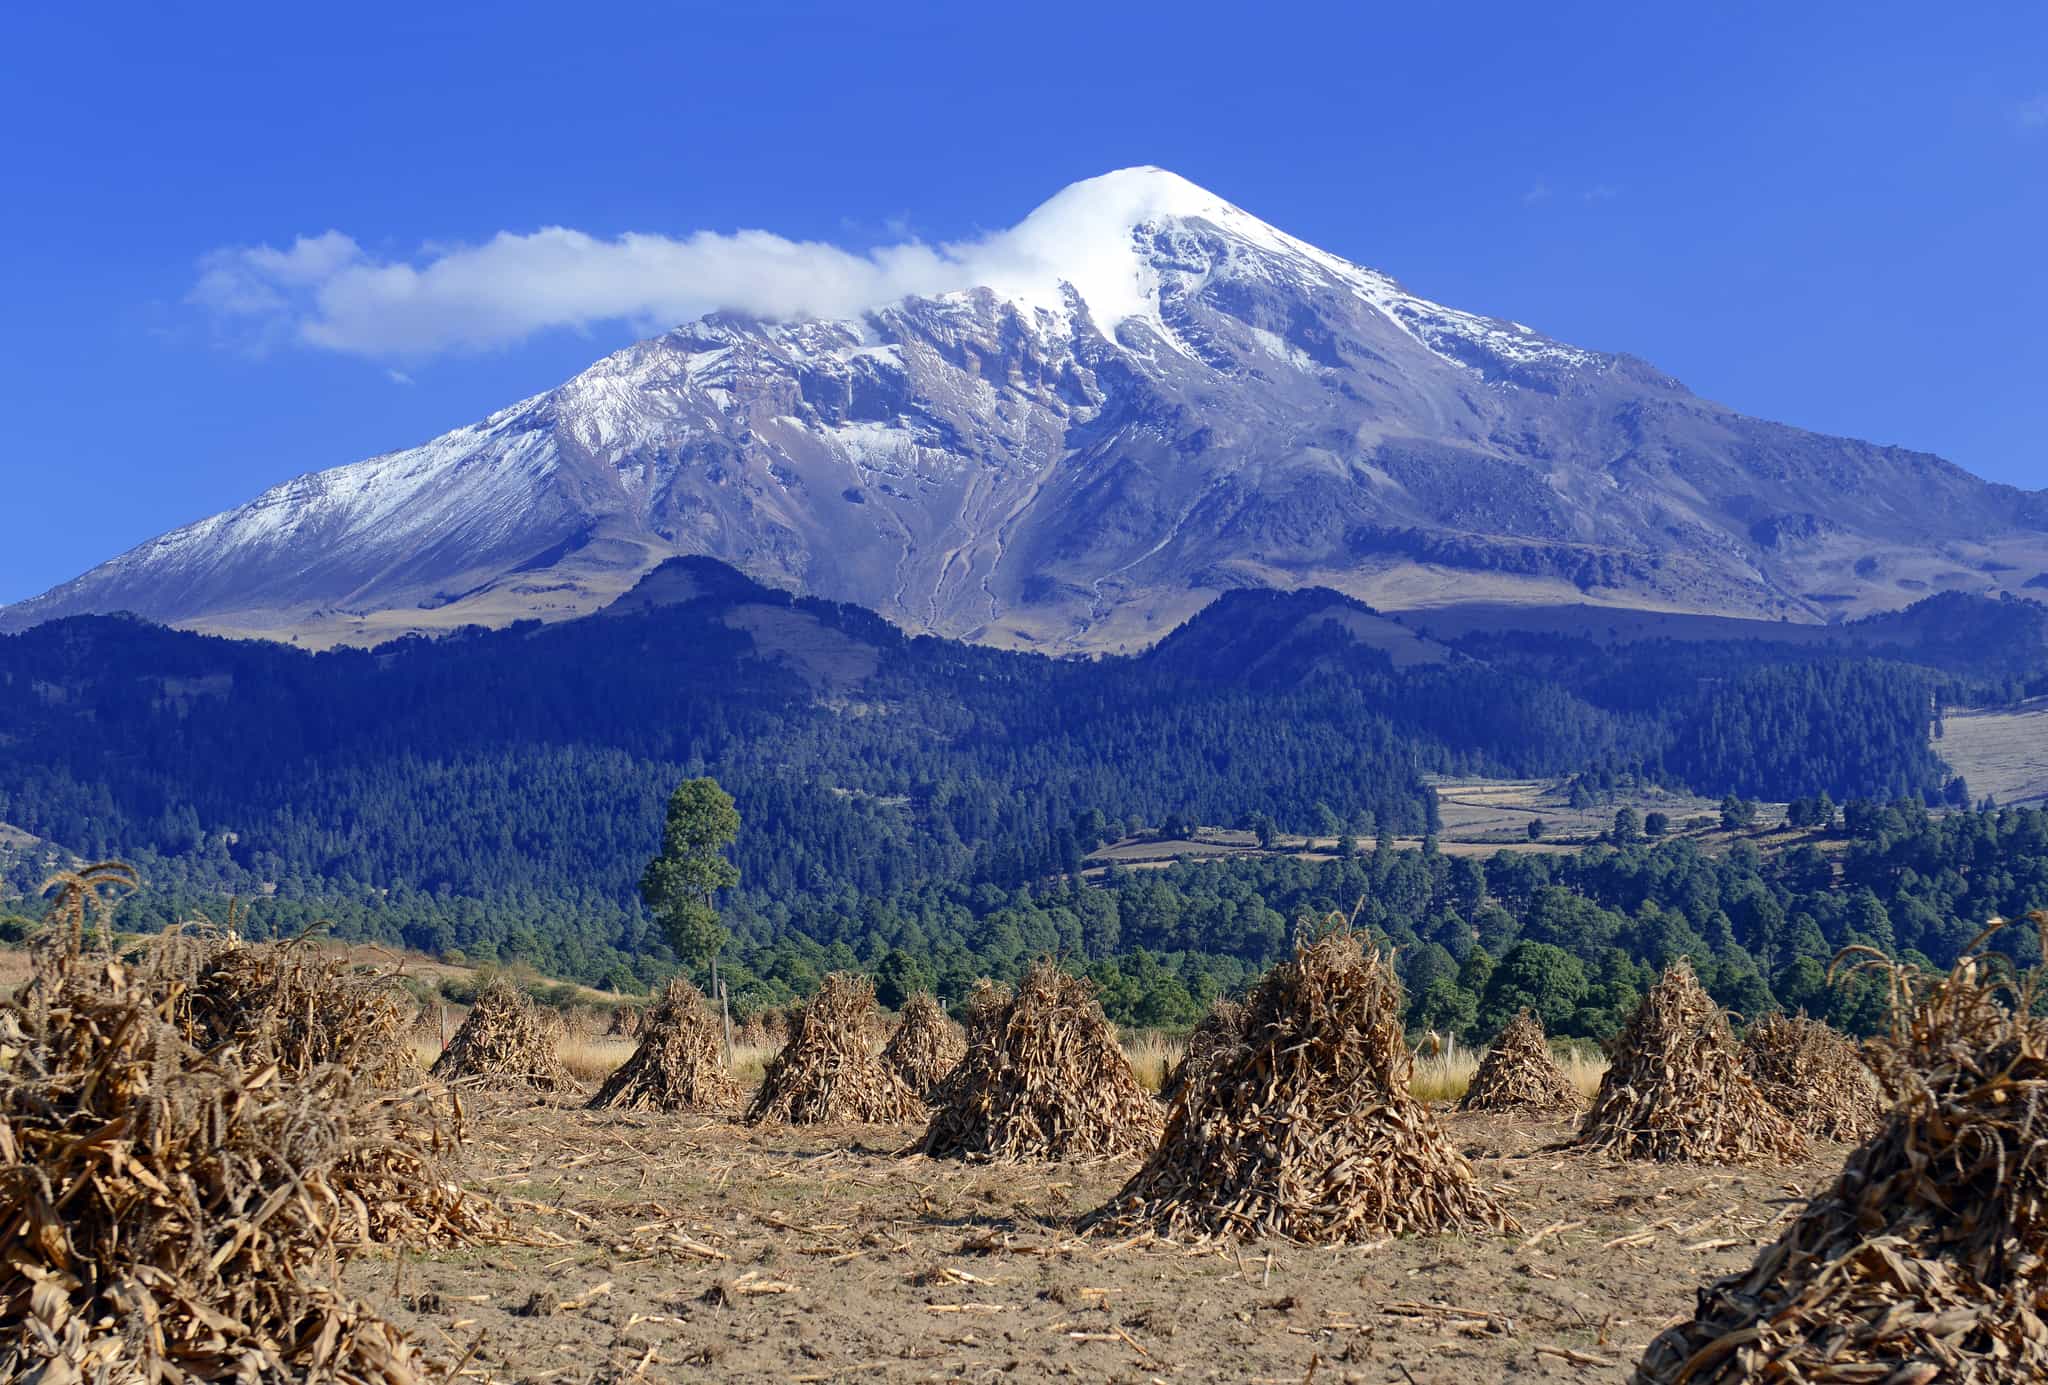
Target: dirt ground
687, 1248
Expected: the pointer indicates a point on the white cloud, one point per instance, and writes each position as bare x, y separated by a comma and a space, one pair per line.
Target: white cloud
326, 291
2032, 114
398, 377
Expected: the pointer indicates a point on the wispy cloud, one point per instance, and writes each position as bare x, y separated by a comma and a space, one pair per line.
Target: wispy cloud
327, 291
1541, 192
398, 377
2032, 114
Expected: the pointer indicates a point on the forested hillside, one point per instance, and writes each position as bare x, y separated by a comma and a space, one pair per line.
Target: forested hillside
498, 792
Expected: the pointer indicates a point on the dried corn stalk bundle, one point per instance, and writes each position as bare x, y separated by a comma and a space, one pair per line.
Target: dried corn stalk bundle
1676, 1090
1043, 1078
1518, 1074
1307, 1129
1213, 1037
926, 1045
292, 1001
828, 1071
426, 1022
1815, 1076
168, 1215
680, 1064
507, 1041
1927, 1260
983, 1013
626, 1022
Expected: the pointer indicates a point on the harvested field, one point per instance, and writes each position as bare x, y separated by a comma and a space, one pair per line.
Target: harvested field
1925, 1260
2003, 753
700, 1249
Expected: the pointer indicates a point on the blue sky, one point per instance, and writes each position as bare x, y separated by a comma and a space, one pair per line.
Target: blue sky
1828, 214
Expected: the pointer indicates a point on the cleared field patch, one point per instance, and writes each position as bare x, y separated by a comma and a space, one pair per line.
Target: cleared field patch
1480, 817
692, 1248
2003, 753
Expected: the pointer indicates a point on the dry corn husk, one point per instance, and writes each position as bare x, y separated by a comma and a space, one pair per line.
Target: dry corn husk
1815, 1076
1306, 1128
828, 1071
1927, 1260
1676, 1090
170, 1213
1214, 1035
926, 1045
1044, 1078
302, 1004
1518, 1074
506, 1041
680, 1063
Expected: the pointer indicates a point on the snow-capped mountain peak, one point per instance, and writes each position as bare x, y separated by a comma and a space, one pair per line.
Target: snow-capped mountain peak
1147, 395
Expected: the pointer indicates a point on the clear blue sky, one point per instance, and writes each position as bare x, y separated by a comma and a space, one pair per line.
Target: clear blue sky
1833, 215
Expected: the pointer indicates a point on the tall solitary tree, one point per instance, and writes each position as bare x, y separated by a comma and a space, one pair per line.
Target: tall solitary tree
681, 885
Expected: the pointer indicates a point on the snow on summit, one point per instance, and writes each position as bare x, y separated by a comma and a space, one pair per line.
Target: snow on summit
1070, 434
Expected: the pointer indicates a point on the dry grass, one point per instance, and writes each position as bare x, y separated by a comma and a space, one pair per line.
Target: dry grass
591, 1060
1447, 1076
1153, 1055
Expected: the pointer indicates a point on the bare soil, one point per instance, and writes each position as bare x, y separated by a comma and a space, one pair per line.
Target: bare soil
688, 1248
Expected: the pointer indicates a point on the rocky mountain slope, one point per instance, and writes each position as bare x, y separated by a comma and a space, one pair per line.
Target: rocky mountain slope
1079, 456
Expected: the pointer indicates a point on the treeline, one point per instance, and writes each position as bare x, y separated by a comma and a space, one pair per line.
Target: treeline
1577, 937
1580, 937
